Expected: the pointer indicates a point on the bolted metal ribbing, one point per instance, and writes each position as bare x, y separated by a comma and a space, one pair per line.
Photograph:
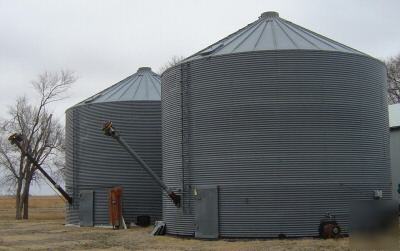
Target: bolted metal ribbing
96, 162
287, 135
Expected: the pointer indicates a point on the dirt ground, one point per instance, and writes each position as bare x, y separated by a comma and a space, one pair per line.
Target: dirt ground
46, 231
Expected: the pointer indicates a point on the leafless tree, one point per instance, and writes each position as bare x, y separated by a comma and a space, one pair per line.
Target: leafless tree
172, 62
393, 76
43, 137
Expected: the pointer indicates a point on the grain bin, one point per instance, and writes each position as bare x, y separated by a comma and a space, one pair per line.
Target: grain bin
271, 128
394, 123
95, 163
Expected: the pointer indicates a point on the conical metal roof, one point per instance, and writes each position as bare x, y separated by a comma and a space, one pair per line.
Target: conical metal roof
143, 85
270, 32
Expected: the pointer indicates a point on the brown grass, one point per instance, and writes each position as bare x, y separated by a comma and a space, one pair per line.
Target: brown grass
40, 208
34, 202
45, 230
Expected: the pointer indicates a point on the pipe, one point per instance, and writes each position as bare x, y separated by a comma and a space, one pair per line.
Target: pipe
16, 139
109, 130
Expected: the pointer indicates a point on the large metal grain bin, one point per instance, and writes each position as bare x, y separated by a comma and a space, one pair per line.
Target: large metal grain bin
394, 123
271, 128
96, 163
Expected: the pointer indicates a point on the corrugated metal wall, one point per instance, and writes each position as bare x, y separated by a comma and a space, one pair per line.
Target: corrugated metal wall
72, 213
395, 160
287, 135
97, 162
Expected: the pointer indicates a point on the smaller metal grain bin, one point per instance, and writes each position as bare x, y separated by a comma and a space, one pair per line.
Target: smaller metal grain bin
95, 164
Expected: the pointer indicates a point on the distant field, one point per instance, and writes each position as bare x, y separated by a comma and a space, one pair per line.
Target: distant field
45, 230
41, 207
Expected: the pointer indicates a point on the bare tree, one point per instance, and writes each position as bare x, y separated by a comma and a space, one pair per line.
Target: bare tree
393, 76
172, 62
43, 137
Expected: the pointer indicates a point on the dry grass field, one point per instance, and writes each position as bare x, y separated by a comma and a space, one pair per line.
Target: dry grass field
41, 208
45, 230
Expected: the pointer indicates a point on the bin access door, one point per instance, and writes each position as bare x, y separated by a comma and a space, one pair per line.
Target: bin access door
86, 208
206, 212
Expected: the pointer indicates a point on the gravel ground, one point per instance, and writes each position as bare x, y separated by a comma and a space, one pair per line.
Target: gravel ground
45, 230
53, 235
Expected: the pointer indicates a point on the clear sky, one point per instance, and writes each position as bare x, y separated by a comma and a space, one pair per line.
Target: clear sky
105, 41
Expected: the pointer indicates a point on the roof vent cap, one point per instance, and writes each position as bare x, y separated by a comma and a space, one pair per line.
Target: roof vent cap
269, 14
144, 69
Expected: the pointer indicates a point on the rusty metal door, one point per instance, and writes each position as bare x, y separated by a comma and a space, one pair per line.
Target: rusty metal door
115, 206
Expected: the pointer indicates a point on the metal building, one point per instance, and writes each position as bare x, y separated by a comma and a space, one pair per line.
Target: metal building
95, 163
271, 128
394, 123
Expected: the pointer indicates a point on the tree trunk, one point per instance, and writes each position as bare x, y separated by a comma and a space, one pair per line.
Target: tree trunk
18, 194
26, 205
25, 195
21, 203
18, 208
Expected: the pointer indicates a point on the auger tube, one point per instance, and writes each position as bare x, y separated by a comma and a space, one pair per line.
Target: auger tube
16, 139
109, 130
